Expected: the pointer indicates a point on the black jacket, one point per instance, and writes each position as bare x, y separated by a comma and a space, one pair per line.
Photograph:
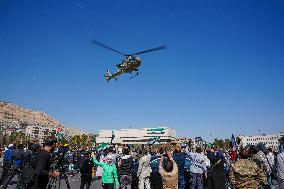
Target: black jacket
42, 170
126, 164
86, 168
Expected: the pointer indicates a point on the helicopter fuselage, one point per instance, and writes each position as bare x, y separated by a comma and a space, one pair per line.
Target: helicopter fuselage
129, 65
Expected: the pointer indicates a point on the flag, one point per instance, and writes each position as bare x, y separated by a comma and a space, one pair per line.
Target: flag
58, 130
151, 141
112, 136
102, 146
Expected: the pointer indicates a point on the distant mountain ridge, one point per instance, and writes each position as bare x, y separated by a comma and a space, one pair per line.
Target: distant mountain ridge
14, 116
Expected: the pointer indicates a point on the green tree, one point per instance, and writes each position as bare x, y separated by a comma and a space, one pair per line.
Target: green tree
221, 143
79, 141
18, 138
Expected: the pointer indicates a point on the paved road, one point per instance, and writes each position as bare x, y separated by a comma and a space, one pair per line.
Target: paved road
74, 183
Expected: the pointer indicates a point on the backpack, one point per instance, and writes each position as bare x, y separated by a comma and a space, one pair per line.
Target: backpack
125, 166
86, 166
8, 155
28, 175
18, 163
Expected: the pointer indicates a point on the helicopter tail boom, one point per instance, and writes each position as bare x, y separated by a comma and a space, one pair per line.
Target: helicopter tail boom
109, 76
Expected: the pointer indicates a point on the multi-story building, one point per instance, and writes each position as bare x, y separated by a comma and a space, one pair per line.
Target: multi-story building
137, 136
268, 140
183, 140
39, 132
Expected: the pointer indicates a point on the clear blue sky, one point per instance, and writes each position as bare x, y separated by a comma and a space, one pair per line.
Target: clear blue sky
222, 73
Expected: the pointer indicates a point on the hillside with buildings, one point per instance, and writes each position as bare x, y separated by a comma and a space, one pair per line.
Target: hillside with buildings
14, 116
34, 124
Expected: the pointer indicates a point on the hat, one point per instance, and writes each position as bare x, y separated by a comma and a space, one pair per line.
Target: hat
10, 145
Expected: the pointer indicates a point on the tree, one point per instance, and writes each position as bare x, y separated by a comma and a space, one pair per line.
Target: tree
75, 141
221, 143
79, 141
18, 138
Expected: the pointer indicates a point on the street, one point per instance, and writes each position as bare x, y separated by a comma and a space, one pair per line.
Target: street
74, 183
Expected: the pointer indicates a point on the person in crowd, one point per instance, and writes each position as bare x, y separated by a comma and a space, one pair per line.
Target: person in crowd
210, 154
16, 165
216, 178
271, 164
144, 170
26, 176
197, 168
112, 153
109, 177
43, 165
86, 168
245, 174
280, 169
268, 165
99, 170
207, 160
63, 162
7, 160
255, 157
234, 154
170, 173
125, 165
179, 158
262, 154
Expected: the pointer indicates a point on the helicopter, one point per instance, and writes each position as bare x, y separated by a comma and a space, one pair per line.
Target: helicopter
130, 64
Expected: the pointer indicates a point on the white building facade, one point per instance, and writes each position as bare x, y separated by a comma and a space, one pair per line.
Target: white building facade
162, 135
268, 140
39, 132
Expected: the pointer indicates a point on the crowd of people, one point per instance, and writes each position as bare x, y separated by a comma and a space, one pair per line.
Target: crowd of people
158, 167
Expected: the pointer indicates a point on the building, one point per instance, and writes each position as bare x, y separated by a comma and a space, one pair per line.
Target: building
39, 132
183, 140
137, 136
268, 140
70, 132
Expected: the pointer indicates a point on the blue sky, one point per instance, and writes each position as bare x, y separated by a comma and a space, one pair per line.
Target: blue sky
222, 72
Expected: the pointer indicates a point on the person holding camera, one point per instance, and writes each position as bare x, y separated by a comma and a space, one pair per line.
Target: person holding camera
169, 173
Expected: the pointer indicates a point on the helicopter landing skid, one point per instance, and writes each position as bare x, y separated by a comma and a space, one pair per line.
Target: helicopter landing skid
137, 73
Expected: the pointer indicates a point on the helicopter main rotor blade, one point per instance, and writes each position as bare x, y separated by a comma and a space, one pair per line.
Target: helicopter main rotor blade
106, 47
150, 50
